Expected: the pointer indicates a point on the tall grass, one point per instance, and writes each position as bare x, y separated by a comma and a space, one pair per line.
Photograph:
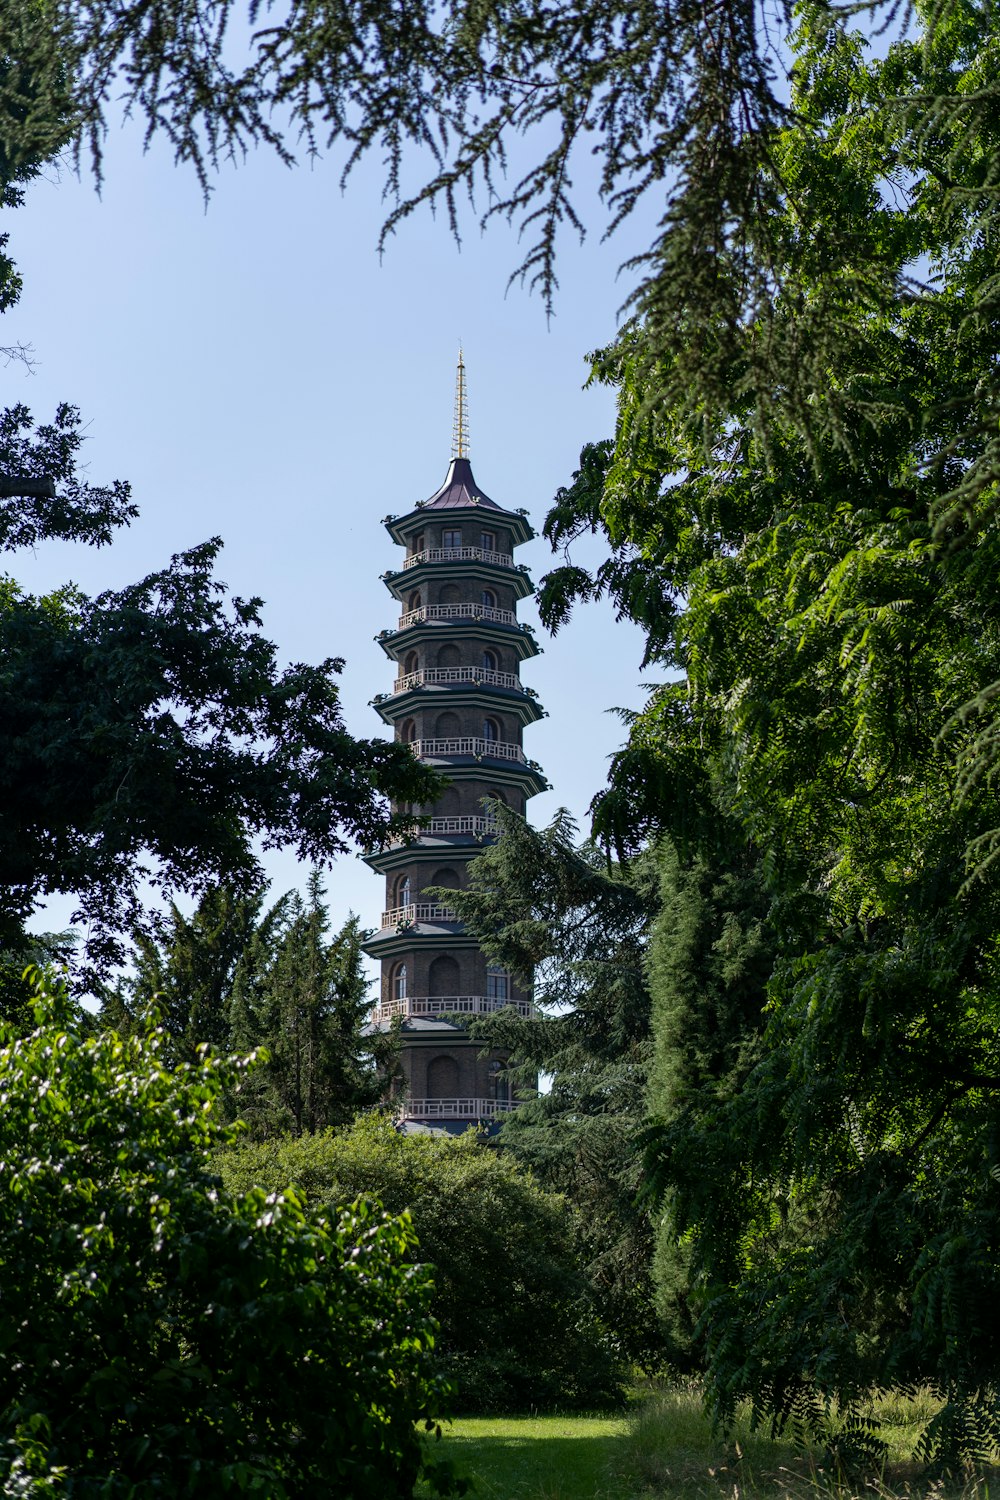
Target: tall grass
671, 1453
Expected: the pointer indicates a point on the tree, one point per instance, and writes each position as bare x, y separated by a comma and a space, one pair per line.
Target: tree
575, 931
304, 998
683, 105
149, 734
189, 967
520, 1328
238, 977
827, 595
711, 954
161, 1334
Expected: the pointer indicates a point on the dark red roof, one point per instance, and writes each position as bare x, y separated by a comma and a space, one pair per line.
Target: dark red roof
459, 489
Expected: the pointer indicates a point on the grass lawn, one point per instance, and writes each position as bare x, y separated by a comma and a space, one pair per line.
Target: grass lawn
541, 1458
665, 1450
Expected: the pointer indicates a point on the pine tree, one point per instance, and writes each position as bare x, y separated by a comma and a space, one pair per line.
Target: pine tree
303, 996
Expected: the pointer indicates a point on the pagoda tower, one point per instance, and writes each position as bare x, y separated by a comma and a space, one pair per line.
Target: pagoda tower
459, 702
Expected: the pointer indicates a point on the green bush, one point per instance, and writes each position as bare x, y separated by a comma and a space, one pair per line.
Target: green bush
517, 1325
162, 1336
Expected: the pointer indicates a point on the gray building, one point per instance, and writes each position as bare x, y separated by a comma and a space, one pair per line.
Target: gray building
459, 701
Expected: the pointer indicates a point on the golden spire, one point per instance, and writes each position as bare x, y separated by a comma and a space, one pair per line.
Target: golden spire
460, 429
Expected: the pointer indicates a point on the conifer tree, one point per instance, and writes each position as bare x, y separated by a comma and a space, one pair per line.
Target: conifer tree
303, 996
560, 920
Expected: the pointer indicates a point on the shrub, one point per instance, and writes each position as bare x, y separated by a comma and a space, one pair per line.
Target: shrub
160, 1335
517, 1326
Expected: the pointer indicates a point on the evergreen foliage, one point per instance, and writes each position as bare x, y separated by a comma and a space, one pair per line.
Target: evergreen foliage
775, 248
237, 977
303, 996
824, 581
164, 1335
519, 1329
560, 920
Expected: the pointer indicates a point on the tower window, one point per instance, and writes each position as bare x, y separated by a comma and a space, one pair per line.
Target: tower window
451, 538
497, 983
488, 541
399, 982
491, 729
488, 598
408, 730
417, 545
489, 661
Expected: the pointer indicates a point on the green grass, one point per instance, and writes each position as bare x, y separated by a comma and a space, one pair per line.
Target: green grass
665, 1450
541, 1458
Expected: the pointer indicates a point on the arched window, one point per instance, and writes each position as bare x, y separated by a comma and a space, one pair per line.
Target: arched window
410, 663
496, 795
447, 876
488, 598
497, 984
449, 657
417, 545
399, 982
491, 730
403, 891
450, 593
414, 602
489, 660
408, 730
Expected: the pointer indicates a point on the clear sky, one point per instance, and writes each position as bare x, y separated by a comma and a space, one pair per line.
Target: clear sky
256, 371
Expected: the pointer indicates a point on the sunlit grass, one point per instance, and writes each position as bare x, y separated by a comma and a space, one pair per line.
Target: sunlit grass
540, 1458
666, 1450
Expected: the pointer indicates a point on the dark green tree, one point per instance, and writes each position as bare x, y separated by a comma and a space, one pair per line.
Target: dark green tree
303, 996
149, 734
190, 965
711, 954
560, 920
828, 599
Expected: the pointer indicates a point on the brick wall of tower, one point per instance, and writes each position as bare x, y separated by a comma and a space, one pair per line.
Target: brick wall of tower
456, 615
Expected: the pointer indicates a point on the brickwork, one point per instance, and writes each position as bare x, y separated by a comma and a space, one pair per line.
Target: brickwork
457, 552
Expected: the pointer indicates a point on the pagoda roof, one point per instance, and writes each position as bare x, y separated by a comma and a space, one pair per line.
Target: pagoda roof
459, 489
458, 492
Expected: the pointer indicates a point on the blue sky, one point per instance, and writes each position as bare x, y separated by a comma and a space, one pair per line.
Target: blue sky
256, 371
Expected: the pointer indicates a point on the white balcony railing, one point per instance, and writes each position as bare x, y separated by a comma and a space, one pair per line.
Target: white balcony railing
458, 554
455, 1109
488, 749
458, 612
434, 676
417, 911
445, 1005
461, 823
